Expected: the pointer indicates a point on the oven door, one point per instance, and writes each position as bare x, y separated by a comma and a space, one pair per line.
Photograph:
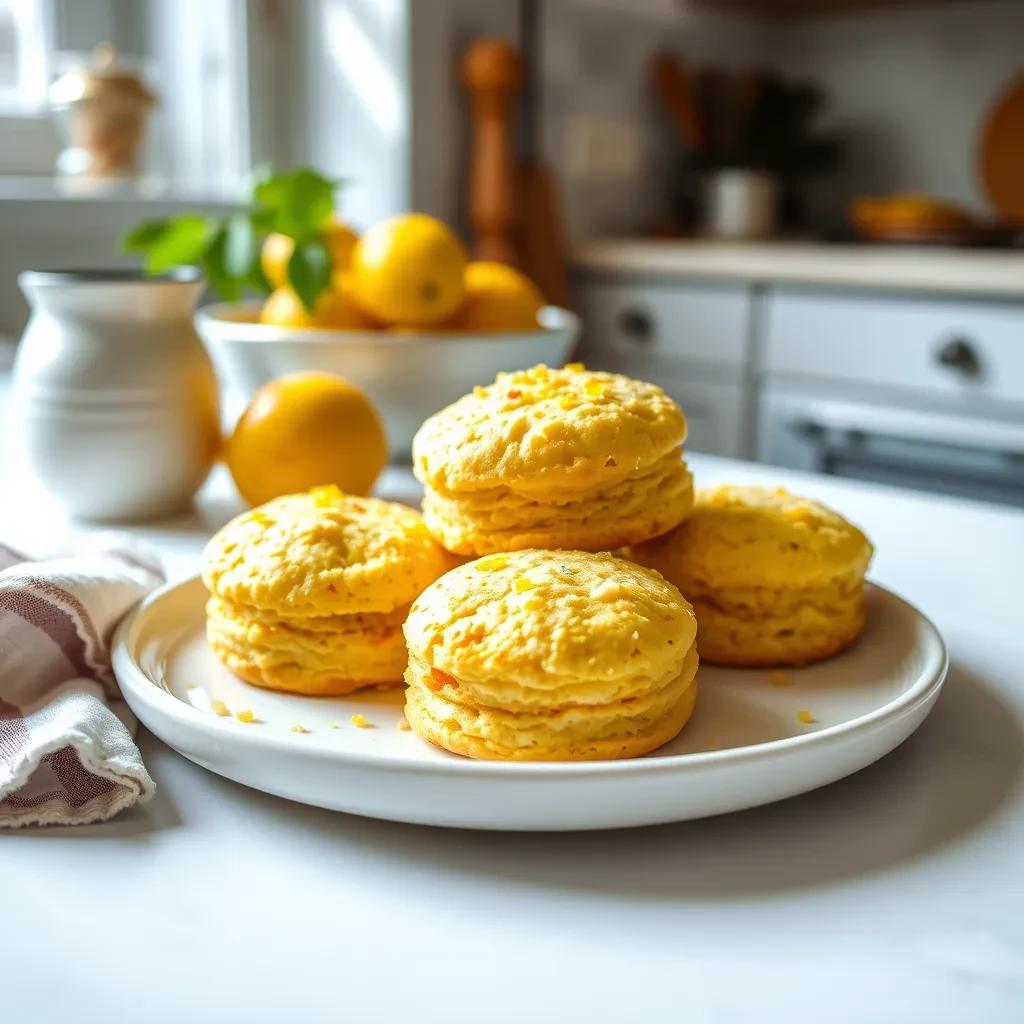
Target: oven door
949, 453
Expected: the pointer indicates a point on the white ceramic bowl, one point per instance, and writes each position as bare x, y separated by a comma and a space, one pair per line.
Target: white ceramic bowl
409, 375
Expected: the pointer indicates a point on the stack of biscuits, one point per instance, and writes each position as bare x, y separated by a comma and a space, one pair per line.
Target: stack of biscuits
542, 649
308, 592
554, 459
550, 656
775, 579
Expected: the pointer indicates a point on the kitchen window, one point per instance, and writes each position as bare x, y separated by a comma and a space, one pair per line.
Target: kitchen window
25, 47
26, 62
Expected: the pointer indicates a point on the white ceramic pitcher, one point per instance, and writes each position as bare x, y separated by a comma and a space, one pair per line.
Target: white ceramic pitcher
115, 395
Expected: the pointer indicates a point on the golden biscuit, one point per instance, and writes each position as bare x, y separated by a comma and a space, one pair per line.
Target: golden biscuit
323, 553
553, 458
550, 655
775, 579
333, 655
308, 592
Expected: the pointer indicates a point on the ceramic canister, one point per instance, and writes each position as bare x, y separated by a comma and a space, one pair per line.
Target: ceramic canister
115, 396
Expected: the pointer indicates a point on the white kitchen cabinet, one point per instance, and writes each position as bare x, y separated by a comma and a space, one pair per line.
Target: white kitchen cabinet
690, 338
705, 323
951, 348
716, 414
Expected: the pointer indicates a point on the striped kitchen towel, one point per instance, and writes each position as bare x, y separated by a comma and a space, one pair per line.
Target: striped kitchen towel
66, 750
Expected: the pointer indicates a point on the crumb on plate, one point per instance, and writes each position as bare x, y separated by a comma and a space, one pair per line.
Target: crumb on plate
778, 678
220, 708
360, 722
403, 725
806, 718
246, 715
299, 728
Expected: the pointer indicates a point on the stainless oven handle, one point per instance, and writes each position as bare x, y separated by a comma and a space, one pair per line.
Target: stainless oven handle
819, 418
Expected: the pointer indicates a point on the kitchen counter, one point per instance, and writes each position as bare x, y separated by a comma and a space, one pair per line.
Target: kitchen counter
894, 895
976, 272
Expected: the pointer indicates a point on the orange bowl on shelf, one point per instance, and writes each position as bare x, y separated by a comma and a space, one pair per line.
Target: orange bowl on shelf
913, 219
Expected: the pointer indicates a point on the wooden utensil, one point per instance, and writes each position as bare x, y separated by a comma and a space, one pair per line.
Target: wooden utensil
1001, 152
492, 77
708, 84
541, 237
675, 86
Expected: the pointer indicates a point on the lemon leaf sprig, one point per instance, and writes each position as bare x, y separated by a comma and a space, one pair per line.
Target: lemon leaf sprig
297, 203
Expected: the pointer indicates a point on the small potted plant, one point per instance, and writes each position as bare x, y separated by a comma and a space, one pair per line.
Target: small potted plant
756, 174
284, 234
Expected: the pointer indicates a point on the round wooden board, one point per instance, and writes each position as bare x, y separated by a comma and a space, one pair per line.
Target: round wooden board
1001, 152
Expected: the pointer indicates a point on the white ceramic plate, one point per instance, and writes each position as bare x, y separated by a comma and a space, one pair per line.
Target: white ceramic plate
745, 745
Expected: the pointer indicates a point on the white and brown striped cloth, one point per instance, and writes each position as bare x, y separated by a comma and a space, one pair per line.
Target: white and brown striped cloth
66, 750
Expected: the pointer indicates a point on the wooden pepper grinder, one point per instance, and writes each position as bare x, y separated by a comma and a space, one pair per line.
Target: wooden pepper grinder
492, 77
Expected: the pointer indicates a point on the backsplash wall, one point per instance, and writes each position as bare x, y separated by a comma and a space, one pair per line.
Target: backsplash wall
909, 89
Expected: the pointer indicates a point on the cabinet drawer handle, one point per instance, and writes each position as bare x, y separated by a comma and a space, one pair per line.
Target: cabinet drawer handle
636, 324
959, 354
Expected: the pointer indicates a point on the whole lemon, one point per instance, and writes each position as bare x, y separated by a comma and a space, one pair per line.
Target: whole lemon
304, 430
408, 270
335, 309
277, 250
498, 298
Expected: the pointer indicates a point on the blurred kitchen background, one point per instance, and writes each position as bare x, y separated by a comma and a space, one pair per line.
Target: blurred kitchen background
803, 218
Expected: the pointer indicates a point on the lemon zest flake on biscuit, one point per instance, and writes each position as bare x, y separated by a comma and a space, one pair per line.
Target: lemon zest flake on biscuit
361, 722
492, 563
438, 678
524, 583
575, 367
806, 718
327, 495
220, 708
799, 514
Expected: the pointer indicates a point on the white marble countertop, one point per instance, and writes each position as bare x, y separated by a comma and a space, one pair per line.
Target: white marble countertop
975, 272
894, 895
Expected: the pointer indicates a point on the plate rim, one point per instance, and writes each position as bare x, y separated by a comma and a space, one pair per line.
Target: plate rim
133, 679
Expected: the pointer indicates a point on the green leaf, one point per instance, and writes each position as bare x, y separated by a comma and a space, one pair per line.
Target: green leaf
183, 240
258, 175
241, 247
214, 267
301, 199
256, 280
143, 235
309, 271
262, 220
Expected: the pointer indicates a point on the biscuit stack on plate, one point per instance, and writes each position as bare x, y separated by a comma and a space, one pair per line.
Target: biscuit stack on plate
309, 591
550, 656
775, 579
541, 649
554, 459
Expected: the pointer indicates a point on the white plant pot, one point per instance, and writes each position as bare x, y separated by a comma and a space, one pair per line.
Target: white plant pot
740, 204
115, 396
